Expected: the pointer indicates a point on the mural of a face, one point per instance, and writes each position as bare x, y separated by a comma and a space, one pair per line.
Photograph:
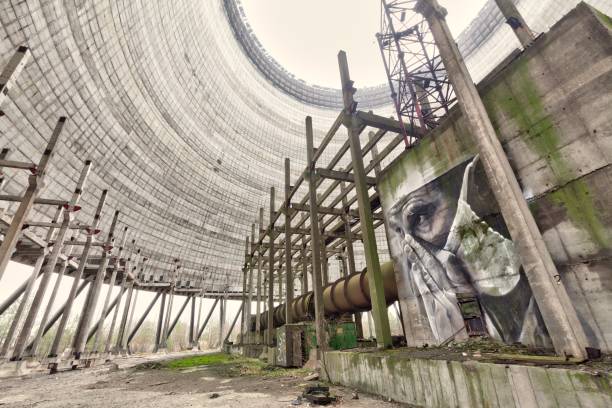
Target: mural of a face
443, 248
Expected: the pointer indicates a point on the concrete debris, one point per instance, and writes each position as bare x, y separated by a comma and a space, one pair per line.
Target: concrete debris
354, 396
214, 395
312, 377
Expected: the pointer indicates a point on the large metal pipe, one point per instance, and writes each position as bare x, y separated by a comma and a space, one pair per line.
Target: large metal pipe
349, 294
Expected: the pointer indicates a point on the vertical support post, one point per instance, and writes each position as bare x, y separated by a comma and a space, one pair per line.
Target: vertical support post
35, 180
89, 308
315, 242
192, 322
77, 277
160, 323
245, 271
111, 286
377, 290
272, 236
222, 321
229, 332
304, 266
124, 325
557, 310
250, 289
11, 71
516, 21
167, 331
50, 266
31, 351
288, 260
259, 288
142, 319
29, 286
201, 330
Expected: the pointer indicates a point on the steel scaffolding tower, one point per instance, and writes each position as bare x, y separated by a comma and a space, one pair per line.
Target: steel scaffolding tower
419, 84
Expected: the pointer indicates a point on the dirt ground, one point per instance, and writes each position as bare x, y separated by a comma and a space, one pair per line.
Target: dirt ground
155, 385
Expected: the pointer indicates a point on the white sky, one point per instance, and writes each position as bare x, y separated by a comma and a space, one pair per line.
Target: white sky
305, 36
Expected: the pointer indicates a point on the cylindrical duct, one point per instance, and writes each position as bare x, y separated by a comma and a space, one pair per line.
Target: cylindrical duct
349, 294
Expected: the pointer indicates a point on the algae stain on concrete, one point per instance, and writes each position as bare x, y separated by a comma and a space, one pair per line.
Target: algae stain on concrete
522, 104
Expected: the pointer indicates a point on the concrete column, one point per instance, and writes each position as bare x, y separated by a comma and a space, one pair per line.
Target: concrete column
557, 310
35, 180
377, 291
516, 21
167, 331
89, 308
324, 259
222, 321
272, 236
192, 322
315, 242
111, 286
11, 71
160, 323
350, 252
131, 302
343, 263
111, 329
249, 304
50, 265
304, 266
231, 328
77, 277
120, 344
245, 271
260, 294
280, 279
141, 320
8, 339
201, 330
31, 351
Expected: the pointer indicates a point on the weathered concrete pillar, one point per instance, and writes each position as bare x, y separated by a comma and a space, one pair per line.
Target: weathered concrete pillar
343, 263
141, 320
516, 21
201, 330
304, 261
128, 309
558, 312
315, 242
260, 293
8, 339
111, 286
245, 271
80, 337
160, 323
167, 331
29, 286
50, 265
272, 236
348, 236
247, 329
222, 312
192, 322
377, 291
31, 350
35, 180
12, 69
77, 277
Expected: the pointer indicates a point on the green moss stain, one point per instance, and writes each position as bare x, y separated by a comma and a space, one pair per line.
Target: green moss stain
518, 100
605, 19
577, 201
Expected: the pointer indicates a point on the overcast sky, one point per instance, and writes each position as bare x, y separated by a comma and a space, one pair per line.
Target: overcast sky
305, 36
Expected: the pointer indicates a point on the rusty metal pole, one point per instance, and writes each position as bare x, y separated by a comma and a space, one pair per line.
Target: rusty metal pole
315, 242
377, 291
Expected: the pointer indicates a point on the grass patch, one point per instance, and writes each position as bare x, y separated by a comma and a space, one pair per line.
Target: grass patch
235, 366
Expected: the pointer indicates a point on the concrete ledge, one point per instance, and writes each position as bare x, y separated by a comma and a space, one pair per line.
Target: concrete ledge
245, 350
443, 383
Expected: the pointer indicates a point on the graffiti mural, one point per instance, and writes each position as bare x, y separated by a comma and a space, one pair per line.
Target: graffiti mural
449, 243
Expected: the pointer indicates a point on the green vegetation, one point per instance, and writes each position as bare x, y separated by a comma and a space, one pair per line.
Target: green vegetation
234, 366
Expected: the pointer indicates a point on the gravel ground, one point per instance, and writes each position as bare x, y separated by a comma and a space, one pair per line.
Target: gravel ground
125, 384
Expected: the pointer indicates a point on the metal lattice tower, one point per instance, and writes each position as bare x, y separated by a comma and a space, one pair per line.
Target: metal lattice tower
419, 84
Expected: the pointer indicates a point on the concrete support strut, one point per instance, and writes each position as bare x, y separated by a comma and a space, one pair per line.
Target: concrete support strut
142, 319
377, 293
315, 243
272, 234
11, 71
516, 21
77, 278
201, 329
50, 265
557, 310
35, 180
79, 341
